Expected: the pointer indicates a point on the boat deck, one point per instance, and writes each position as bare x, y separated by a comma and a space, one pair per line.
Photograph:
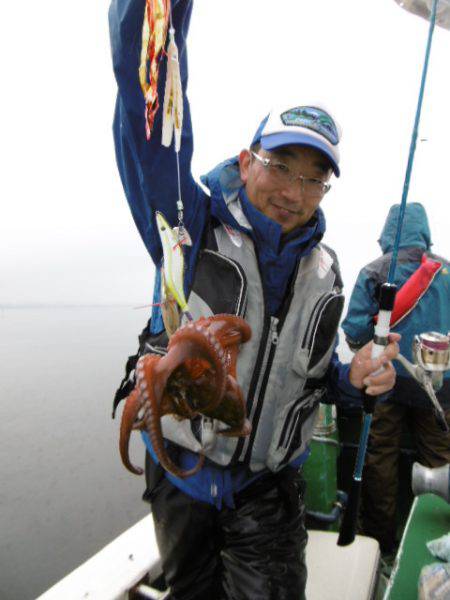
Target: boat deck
124, 564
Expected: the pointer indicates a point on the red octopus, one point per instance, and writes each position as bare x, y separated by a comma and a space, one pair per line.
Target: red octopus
196, 377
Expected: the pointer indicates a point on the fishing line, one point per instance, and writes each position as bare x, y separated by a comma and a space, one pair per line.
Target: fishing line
412, 148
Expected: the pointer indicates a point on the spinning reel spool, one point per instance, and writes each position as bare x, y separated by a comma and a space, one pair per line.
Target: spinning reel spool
431, 354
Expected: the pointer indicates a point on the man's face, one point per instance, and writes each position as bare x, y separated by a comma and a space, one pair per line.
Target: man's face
284, 202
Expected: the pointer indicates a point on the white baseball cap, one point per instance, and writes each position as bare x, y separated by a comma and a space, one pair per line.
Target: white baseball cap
311, 125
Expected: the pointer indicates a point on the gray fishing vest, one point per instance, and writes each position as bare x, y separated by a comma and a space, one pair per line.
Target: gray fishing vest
281, 369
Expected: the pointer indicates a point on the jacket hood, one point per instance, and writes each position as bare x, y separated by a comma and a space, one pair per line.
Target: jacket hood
415, 230
224, 183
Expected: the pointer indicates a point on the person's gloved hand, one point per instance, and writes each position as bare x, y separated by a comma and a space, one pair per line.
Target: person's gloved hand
365, 370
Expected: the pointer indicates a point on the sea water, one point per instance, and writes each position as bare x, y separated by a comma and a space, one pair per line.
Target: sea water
64, 493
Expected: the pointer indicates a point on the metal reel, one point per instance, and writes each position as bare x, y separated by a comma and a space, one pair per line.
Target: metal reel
431, 350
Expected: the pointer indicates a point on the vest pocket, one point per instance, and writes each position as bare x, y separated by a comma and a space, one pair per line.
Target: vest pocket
317, 343
297, 412
298, 423
292, 421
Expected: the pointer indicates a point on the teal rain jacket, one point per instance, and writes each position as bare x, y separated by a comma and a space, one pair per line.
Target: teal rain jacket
432, 313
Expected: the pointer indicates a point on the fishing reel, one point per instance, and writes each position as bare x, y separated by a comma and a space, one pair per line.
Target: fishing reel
431, 354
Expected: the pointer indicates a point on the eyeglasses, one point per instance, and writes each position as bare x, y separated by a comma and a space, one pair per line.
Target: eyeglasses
283, 175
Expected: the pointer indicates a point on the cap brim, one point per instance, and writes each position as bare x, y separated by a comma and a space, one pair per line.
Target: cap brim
277, 140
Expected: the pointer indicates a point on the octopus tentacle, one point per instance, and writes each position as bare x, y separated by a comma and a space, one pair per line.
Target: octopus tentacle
242, 431
230, 331
197, 376
130, 412
152, 417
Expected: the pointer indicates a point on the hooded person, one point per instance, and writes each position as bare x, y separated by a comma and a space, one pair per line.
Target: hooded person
426, 307
236, 528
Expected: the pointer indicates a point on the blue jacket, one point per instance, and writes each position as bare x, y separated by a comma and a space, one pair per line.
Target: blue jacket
148, 173
432, 313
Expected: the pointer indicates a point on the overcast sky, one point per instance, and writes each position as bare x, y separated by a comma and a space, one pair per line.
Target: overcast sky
66, 234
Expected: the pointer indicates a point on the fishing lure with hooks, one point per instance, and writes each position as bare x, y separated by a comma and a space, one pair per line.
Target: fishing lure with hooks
155, 29
173, 97
154, 34
173, 121
172, 274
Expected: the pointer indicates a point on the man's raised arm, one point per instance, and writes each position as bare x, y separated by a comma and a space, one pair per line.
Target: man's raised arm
147, 169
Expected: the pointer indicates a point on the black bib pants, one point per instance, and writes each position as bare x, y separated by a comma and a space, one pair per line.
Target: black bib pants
255, 551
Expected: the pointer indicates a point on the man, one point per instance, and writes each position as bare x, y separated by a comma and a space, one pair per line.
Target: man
408, 404
235, 530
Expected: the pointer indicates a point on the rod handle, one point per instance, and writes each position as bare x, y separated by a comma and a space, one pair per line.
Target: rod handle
347, 531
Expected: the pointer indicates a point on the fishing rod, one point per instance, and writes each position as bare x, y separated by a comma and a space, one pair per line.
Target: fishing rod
386, 303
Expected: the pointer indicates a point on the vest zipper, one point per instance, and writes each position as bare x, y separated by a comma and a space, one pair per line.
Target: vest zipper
271, 329
242, 442
261, 384
274, 330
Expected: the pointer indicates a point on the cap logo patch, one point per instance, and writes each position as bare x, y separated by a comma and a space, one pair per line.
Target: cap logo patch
312, 118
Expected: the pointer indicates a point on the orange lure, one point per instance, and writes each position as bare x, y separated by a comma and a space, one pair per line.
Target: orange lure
154, 34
